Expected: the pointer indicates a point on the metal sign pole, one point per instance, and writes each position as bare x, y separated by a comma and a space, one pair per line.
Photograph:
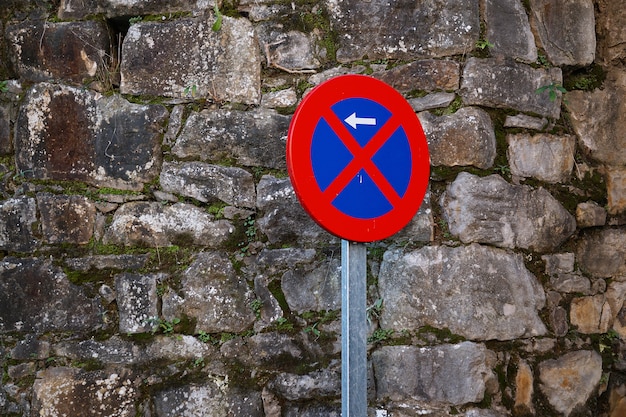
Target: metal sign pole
353, 330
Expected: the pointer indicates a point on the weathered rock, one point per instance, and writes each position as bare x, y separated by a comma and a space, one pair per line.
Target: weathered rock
567, 30
209, 183
404, 30
291, 50
283, 219
77, 52
17, 218
66, 219
602, 253
431, 101
137, 302
265, 349
155, 225
591, 314
616, 190
508, 29
521, 217
560, 268
325, 383
570, 380
37, 297
181, 347
524, 389
427, 75
273, 261
72, 9
314, 290
167, 59
590, 214
455, 374
31, 348
6, 143
254, 138
478, 292
421, 228
527, 156
610, 24
67, 133
69, 391
463, 138
526, 122
174, 125
215, 296
599, 116
100, 262
507, 84
313, 410
209, 399
270, 309
280, 99
113, 350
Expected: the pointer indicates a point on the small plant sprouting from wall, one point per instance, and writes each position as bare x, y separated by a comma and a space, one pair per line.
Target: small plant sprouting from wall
552, 89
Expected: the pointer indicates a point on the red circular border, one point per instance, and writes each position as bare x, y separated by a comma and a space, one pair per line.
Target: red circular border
300, 167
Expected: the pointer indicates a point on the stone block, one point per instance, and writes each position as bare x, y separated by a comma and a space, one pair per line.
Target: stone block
280, 99
137, 302
6, 141
324, 383
209, 183
591, 314
570, 380
36, 297
616, 190
67, 133
316, 289
427, 75
548, 158
453, 374
464, 138
567, 30
511, 85
404, 29
167, 59
17, 219
431, 101
272, 349
289, 50
478, 292
72, 392
76, 52
611, 36
113, 350
602, 253
155, 225
209, 399
66, 219
508, 29
526, 122
522, 217
254, 138
524, 389
73, 9
590, 214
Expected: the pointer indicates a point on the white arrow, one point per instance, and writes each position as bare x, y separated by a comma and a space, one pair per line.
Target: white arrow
353, 121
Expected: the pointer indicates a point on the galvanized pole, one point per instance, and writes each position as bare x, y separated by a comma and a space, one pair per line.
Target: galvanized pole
353, 330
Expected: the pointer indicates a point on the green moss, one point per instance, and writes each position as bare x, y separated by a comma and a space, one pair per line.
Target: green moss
586, 79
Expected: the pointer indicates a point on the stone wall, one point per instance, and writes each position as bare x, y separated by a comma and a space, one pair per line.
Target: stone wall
156, 262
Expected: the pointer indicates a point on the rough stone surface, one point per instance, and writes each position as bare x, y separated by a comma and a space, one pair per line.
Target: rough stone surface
73, 9
265, 349
215, 296
314, 290
463, 138
111, 351
166, 59
6, 143
524, 389
478, 292
100, 262
566, 30
525, 122
602, 253
279, 205
507, 84
325, 383
616, 190
137, 302
522, 217
67, 133
209, 183
598, 117
431, 101
69, 391
280, 99
590, 214
421, 227
590, 314
255, 138
508, 29
427, 75
611, 21
77, 52
212, 399
17, 216
548, 158
404, 29
454, 374
31, 348
66, 219
155, 225
26, 304
570, 380
291, 50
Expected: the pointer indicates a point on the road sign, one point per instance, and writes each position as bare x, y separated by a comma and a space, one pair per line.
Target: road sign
358, 158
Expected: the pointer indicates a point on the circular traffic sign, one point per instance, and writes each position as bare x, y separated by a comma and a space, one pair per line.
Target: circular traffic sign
357, 158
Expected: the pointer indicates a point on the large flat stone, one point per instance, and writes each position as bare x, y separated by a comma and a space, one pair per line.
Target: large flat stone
318, 289
611, 21
67, 133
511, 85
602, 253
136, 302
167, 59
209, 399
404, 29
426, 75
478, 292
66, 219
548, 158
76, 9
17, 218
508, 29
490, 210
